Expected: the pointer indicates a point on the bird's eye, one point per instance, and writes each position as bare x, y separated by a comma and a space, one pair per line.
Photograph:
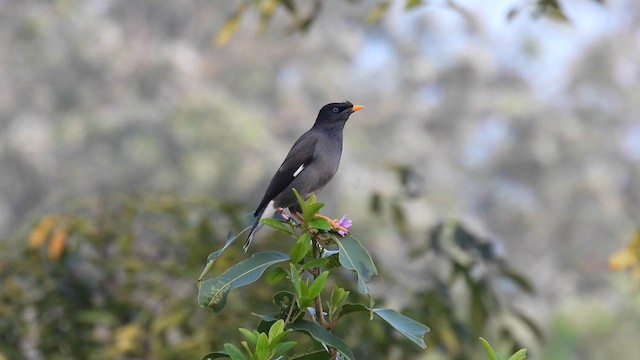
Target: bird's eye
335, 109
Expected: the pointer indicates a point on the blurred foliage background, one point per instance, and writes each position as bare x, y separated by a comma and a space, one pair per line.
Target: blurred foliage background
131, 141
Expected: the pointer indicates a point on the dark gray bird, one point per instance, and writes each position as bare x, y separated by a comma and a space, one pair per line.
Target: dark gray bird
309, 165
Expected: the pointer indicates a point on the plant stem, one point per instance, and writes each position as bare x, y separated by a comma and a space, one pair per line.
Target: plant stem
318, 300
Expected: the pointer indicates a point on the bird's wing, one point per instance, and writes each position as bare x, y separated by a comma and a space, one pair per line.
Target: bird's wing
299, 157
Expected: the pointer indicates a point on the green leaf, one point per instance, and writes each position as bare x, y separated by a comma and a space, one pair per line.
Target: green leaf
275, 330
322, 335
264, 325
314, 355
283, 299
262, 347
305, 300
276, 224
519, 355
314, 263
283, 347
230, 26
522, 281
295, 279
490, 353
300, 248
318, 284
216, 254
338, 296
234, 352
351, 308
276, 275
214, 291
290, 5
215, 355
333, 261
408, 327
277, 333
354, 256
252, 336
301, 201
309, 207
410, 4
312, 209
378, 12
320, 224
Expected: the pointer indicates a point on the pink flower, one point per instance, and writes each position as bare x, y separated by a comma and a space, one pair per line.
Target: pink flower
344, 222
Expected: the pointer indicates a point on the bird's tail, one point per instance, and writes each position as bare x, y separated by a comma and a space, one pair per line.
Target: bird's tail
254, 228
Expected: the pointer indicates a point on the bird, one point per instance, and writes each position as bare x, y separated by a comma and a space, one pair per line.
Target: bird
310, 164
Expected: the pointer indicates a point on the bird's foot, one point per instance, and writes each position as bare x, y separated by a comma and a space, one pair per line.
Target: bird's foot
333, 223
281, 215
298, 217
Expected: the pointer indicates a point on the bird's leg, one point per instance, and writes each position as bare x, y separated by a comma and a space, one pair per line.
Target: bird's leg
298, 216
332, 222
281, 214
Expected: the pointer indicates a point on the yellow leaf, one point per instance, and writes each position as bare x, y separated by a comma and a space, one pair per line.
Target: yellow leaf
267, 9
229, 27
39, 234
621, 260
629, 256
378, 12
56, 245
127, 338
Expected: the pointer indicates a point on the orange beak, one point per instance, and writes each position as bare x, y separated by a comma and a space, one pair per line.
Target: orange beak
356, 108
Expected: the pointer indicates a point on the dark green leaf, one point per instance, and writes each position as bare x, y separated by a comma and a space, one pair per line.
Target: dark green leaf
283, 299
333, 261
519, 279
314, 263
512, 13
290, 5
264, 325
214, 291
351, 308
376, 203
322, 335
399, 219
530, 324
216, 355
354, 256
408, 327
283, 347
314, 355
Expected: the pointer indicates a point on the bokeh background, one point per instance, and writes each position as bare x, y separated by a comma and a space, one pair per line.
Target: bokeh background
135, 134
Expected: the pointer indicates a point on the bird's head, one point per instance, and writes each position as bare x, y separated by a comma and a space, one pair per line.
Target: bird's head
336, 113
